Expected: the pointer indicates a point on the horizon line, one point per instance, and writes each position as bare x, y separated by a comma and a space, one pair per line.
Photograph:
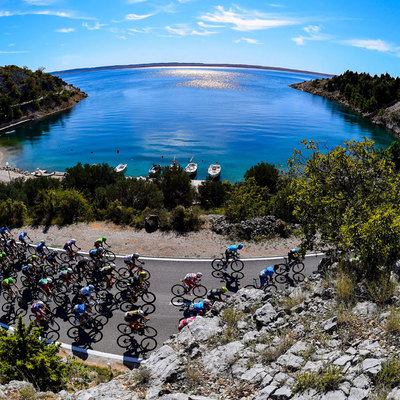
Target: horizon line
178, 64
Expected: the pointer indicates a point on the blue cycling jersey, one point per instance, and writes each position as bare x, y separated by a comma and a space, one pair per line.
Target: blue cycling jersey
36, 306
85, 290
269, 271
40, 246
198, 306
233, 249
79, 308
21, 236
3, 229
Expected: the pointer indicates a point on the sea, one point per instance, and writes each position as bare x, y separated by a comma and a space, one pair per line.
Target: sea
236, 117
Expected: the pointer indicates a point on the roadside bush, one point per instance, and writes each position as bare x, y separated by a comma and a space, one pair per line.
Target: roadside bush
382, 288
265, 175
24, 356
70, 207
212, 194
12, 213
185, 220
120, 214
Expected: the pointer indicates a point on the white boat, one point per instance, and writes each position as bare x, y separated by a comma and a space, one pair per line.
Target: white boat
121, 167
174, 163
154, 169
40, 172
214, 171
191, 168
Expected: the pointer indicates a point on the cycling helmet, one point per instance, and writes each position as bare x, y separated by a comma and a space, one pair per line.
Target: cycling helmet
206, 301
141, 312
199, 274
73, 240
85, 259
43, 242
143, 273
25, 233
240, 246
91, 287
40, 302
135, 255
104, 238
70, 270
49, 280
224, 289
100, 248
3, 254
30, 266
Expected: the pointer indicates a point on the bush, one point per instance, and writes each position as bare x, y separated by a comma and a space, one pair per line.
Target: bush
23, 356
12, 213
389, 375
344, 288
325, 380
183, 220
393, 322
265, 175
382, 288
120, 214
212, 194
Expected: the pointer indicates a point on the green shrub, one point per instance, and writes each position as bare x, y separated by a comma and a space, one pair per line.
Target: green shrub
212, 194
325, 380
393, 322
120, 214
83, 375
389, 375
265, 175
382, 288
183, 220
23, 356
230, 317
344, 288
12, 213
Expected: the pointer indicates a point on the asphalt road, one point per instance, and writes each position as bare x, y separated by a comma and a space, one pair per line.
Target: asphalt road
164, 274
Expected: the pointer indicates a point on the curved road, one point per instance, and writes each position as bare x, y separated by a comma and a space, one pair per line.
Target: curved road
164, 274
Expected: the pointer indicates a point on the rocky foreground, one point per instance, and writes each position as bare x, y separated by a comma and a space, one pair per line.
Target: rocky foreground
388, 117
299, 343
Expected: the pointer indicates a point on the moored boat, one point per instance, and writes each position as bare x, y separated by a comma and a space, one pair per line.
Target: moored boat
191, 169
214, 171
121, 167
154, 169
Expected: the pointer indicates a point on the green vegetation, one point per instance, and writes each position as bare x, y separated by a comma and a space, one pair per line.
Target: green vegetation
365, 92
389, 375
23, 91
326, 379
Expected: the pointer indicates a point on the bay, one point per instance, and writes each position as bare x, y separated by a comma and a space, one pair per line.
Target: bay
237, 117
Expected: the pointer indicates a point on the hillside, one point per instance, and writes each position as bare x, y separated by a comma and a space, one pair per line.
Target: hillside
375, 98
26, 95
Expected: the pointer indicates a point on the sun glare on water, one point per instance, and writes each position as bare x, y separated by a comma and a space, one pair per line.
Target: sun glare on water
205, 79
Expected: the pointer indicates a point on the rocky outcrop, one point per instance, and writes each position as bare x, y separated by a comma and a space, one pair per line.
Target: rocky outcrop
388, 117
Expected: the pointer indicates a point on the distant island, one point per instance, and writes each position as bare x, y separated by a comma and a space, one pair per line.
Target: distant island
176, 64
376, 98
27, 95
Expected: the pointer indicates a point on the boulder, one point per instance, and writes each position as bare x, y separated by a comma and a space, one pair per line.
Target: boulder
358, 394
283, 393
265, 314
365, 309
330, 325
371, 366
199, 330
219, 360
394, 394
290, 361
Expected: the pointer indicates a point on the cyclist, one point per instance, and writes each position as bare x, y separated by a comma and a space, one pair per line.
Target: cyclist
231, 251
185, 322
191, 279
96, 254
88, 293
22, 237
100, 242
200, 308
5, 232
136, 318
28, 270
108, 272
40, 310
7, 283
65, 276
81, 266
135, 283
4, 259
11, 246
47, 284
81, 312
266, 275
40, 248
130, 260
216, 294
293, 254
34, 260
68, 247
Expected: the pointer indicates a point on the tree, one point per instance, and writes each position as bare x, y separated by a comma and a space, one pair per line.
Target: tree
265, 175
348, 199
212, 194
24, 356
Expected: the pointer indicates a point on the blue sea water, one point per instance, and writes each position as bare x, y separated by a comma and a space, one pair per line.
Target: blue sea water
237, 117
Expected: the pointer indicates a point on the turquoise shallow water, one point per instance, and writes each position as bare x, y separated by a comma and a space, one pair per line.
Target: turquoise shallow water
237, 117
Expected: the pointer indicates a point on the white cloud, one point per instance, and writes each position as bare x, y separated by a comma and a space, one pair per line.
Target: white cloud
95, 27
243, 20
185, 30
203, 25
143, 30
61, 14
135, 1
122, 37
248, 40
65, 30
136, 17
377, 44
277, 5
313, 34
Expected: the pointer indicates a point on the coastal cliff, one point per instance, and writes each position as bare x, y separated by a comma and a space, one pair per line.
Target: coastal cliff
26, 95
387, 116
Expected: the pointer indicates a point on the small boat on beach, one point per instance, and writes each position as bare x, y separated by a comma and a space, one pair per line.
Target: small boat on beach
154, 169
214, 171
191, 168
174, 163
121, 167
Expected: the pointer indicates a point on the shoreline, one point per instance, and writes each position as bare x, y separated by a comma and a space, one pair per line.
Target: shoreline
187, 65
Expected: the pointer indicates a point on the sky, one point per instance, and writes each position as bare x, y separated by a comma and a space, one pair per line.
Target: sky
322, 36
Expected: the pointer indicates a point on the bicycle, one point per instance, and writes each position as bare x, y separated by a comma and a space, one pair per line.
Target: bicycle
73, 256
137, 328
218, 264
197, 290
296, 265
268, 286
133, 269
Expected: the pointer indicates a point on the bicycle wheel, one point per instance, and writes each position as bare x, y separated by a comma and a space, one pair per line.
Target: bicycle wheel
149, 331
121, 285
237, 265
31, 250
125, 329
109, 255
148, 308
178, 290
65, 257
124, 273
74, 333
250, 287
280, 269
78, 257
177, 301
199, 291
280, 278
148, 297
73, 320
148, 344
270, 288
125, 341
218, 264
52, 335
298, 267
